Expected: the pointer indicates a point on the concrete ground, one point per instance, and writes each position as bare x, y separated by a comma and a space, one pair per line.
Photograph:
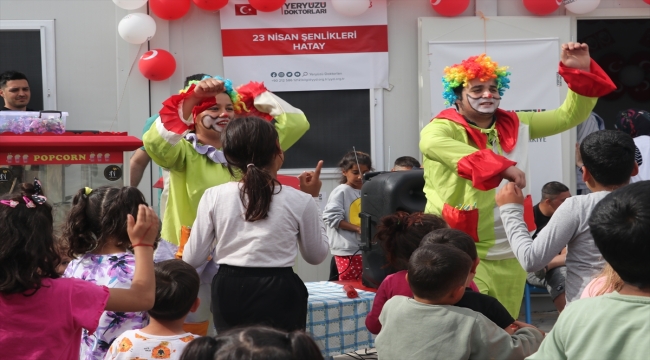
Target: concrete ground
543, 316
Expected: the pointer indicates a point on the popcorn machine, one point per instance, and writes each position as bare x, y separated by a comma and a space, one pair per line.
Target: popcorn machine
64, 163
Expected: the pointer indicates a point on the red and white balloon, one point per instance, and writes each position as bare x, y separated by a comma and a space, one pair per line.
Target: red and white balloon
157, 64
351, 7
267, 5
542, 7
449, 7
211, 5
170, 9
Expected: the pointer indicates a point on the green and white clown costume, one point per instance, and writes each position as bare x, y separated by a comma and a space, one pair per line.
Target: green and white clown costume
195, 167
463, 163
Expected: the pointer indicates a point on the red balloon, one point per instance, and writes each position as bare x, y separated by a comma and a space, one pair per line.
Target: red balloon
267, 5
542, 7
157, 64
211, 5
170, 9
646, 1
449, 7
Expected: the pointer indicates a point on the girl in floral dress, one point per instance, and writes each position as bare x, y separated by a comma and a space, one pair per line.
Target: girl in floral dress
96, 235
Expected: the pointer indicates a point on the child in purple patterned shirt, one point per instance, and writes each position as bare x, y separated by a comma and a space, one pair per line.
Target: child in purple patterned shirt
95, 232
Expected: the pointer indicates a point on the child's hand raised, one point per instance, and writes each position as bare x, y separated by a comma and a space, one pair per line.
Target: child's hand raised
310, 180
145, 230
509, 194
208, 88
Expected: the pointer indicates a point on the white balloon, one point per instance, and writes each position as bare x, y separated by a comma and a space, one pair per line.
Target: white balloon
137, 28
351, 7
130, 4
581, 6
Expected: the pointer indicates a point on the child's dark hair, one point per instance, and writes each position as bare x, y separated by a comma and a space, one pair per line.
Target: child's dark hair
255, 343
435, 270
620, 226
250, 145
609, 156
407, 161
349, 160
27, 252
401, 233
202, 348
452, 237
98, 215
177, 287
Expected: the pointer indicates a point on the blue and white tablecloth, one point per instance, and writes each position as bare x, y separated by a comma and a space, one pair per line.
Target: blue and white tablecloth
336, 322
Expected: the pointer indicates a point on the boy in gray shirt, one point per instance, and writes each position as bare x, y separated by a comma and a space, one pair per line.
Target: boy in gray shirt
427, 326
608, 163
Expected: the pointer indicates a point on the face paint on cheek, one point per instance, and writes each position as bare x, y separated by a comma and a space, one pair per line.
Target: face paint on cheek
211, 123
484, 105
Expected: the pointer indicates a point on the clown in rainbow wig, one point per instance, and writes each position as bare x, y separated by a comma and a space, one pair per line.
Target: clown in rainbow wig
186, 140
473, 148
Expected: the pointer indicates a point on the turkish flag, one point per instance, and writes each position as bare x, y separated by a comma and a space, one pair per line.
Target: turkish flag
245, 9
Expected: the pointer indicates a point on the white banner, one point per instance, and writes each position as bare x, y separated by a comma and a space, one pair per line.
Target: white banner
533, 87
305, 46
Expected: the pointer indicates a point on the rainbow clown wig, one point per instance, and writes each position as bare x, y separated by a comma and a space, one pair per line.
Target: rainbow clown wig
236, 99
481, 67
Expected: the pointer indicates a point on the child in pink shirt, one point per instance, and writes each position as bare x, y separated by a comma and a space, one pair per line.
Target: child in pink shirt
400, 235
42, 314
606, 282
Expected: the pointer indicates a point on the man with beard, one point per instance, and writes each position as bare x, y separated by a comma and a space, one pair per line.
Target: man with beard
186, 140
14, 89
471, 150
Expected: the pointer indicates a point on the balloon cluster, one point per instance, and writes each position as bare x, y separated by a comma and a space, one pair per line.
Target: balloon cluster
138, 28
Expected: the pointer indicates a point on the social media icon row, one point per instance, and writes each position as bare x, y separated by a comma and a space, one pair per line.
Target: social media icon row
288, 74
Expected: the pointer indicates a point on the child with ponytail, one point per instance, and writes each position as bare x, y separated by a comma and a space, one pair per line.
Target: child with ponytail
97, 239
42, 314
254, 228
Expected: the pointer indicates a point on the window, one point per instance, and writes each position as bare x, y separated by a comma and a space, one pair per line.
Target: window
339, 120
36, 57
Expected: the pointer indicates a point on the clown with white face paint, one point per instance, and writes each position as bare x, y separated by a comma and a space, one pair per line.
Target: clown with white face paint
186, 139
472, 149
488, 98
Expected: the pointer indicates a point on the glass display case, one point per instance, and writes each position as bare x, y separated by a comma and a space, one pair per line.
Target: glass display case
64, 163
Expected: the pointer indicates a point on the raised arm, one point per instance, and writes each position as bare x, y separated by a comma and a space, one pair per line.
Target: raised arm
534, 255
141, 295
290, 122
312, 241
586, 81
444, 142
175, 121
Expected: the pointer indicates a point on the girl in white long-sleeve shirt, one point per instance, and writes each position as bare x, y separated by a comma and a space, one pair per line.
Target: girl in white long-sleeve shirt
253, 229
